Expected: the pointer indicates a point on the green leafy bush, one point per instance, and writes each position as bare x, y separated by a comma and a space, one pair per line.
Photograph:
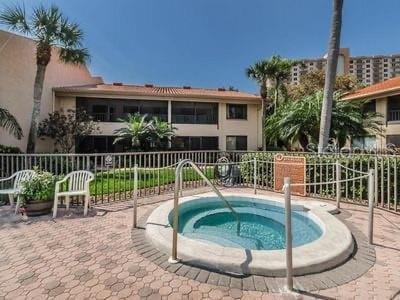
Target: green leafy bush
39, 188
321, 169
9, 149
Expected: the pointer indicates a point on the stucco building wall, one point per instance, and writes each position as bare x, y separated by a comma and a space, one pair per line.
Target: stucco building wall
17, 74
225, 127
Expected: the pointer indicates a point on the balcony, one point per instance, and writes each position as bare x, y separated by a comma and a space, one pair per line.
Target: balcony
394, 115
104, 117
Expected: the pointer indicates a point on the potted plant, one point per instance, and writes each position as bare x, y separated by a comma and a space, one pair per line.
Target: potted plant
37, 194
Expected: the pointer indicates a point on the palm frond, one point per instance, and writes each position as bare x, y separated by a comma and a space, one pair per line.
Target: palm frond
10, 123
15, 18
70, 34
46, 23
74, 56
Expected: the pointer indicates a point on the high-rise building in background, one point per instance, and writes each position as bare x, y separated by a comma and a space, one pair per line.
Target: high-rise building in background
368, 69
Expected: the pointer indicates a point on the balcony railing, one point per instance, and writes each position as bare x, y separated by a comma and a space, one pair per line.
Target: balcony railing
116, 117
100, 117
394, 115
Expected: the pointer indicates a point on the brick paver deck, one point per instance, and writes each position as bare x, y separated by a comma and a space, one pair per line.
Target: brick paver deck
95, 258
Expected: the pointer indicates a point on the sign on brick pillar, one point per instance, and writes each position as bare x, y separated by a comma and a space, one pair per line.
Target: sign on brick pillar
293, 167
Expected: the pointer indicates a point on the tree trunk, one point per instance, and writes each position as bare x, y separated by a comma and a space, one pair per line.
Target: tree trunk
303, 140
276, 95
37, 97
263, 94
330, 75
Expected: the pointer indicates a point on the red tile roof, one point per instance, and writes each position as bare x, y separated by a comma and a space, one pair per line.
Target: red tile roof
160, 91
391, 85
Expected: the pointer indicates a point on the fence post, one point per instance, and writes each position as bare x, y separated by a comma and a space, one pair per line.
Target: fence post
338, 185
174, 255
371, 198
376, 179
288, 227
158, 173
181, 181
255, 174
135, 195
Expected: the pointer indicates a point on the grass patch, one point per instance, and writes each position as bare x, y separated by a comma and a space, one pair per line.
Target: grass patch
121, 180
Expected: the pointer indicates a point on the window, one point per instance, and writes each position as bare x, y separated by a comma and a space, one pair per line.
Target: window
157, 109
393, 104
393, 139
100, 113
100, 144
364, 142
111, 110
370, 106
131, 109
236, 111
195, 143
194, 113
236, 142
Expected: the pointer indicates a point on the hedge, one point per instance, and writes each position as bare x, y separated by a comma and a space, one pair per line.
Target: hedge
321, 168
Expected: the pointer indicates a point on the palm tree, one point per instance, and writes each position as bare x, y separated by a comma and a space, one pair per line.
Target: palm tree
282, 69
136, 131
261, 72
144, 133
264, 72
297, 122
160, 131
330, 75
10, 123
49, 28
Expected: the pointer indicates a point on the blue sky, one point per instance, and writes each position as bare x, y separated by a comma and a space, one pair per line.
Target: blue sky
209, 43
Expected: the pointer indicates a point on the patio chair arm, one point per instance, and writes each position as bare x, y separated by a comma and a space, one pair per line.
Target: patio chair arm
87, 183
8, 178
59, 182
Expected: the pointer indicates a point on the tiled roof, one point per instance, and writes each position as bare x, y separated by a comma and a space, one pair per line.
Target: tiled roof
391, 85
150, 90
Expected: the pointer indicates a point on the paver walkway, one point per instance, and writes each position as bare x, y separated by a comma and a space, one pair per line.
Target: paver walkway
93, 258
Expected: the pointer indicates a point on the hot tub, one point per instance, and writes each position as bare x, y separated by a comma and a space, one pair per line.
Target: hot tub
209, 235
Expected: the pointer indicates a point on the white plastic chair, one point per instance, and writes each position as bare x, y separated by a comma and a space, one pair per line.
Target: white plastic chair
78, 185
18, 178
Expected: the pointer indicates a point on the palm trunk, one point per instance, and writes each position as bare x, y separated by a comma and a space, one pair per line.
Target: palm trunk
263, 116
330, 75
37, 97
263, 94
277, 83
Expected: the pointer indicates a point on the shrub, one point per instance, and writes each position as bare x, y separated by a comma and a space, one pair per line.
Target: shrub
39, 188
9, 149
321, 168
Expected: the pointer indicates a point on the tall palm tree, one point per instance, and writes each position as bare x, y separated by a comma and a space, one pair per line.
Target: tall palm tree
10, 123
262, 72
282, 69
270, 73
49, 28
330, 75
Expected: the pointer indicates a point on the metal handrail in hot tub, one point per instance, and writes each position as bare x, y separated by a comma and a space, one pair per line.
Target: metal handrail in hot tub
178, 179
